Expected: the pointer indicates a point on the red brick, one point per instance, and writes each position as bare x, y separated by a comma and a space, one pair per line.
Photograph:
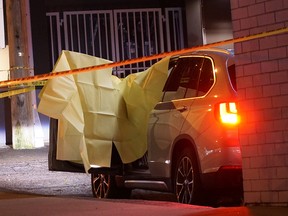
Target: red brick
274, 5
244, 58
275, 160
281, 125
247, 128
279, 77
243, 3
264, 127
252, 45
274, 26
241, 93
285, 4
246, 162
245, 82
252, 197
258, 162
262, 79
236, 25
284, 88
279, 184
259, 56
260, 185
268, 42
239, 13
267, 173
241, 33
280, 101
237, 48
256, 139
258, 30
254, 92
269, 196
254, 116
283, 197
282, 172
272, 114
266, 19
282, 16
274, 137
277, 53
248, 23
250, 152
243, 140
250, 174
283, 64
247, 105
281, 150
267, 150
252, 69
263, 103
234, 4
282, 40
256, 9
271, 90
269, 66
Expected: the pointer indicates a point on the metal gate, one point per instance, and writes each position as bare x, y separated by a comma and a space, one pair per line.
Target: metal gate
117, 35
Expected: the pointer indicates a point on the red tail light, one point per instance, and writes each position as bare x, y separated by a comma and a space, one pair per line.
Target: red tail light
228, 114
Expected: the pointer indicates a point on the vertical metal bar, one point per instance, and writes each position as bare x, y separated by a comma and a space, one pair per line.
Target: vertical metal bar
112, 33
174, 28
99, 32
129, 43
156, 32
181, 29
148, 34
78, 33
92, 35
52, 39
122, 39
85, 34
142, 36
161, 34
71, 34
66, 31
116, 36
135, 37
107, 36
167, 29
58, 34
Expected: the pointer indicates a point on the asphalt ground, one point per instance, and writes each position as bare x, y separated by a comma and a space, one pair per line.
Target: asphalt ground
27, 187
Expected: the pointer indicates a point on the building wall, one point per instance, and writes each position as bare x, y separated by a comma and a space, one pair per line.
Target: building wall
262, 78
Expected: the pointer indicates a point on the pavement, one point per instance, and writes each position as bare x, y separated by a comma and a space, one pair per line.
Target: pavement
27, 187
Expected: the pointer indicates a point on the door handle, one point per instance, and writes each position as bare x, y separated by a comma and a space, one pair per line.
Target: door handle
182, 109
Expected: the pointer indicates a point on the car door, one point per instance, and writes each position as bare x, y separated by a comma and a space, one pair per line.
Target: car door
168, 116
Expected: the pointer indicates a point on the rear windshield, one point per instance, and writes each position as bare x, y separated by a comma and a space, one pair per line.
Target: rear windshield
232, 76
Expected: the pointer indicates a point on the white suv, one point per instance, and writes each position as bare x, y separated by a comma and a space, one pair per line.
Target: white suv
193, 142
193, 134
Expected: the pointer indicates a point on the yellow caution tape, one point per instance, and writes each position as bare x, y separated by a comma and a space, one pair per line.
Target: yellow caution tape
17, 91
37, 78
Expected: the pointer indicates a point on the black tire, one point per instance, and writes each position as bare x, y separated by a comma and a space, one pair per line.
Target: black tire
186, 181
104, 186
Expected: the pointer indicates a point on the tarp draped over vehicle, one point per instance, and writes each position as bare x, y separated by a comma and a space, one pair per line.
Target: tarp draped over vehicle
97, 108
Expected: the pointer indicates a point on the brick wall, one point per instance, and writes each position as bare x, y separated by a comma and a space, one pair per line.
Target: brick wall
262, 78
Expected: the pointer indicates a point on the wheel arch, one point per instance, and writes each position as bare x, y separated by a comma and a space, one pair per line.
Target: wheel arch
180, 143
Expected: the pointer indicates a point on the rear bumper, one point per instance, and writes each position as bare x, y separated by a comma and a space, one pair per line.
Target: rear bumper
227, 177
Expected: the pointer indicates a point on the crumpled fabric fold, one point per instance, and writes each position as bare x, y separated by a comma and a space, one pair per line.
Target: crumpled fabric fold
95, 109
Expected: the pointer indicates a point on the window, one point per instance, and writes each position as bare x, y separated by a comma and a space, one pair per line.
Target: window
189, 77
207, 77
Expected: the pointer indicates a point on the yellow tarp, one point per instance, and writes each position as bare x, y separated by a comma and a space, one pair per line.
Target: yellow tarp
96, 108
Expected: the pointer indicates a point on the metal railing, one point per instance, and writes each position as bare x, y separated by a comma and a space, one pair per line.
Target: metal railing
117, 34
